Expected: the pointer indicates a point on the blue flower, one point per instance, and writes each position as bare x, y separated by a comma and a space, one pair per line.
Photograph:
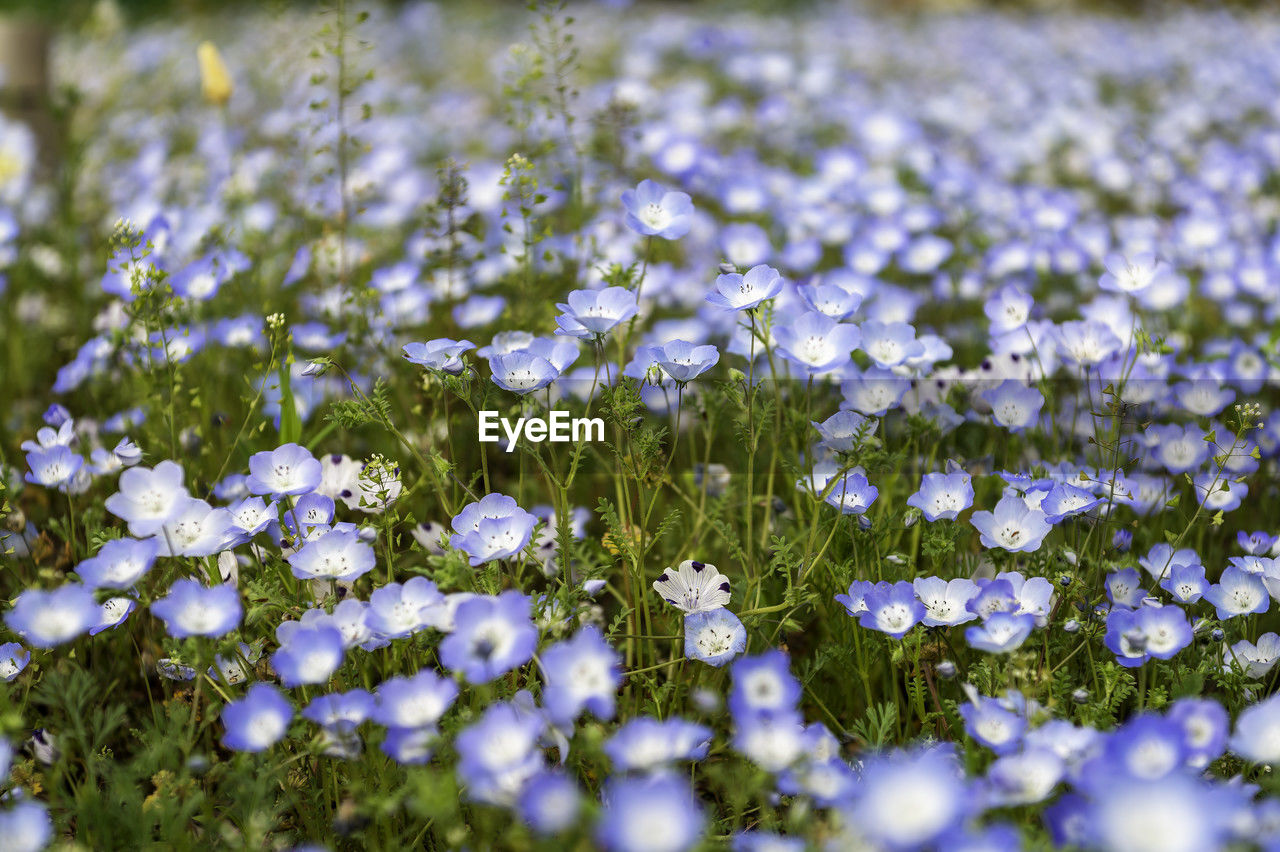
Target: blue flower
25, 826
441, 354
148, 498
591, 314
13, 659
1238, 593
992, 724
288, 470
1014, 405
645, 744
1001, 633
887, 808
943, 495
681, 360
1186, 583
1205, 725
659, 813
1065, 500
495, 527
892, 609
119, 564
492, 636
817, 343
582, 673
310, 655
1013, 526
946, 602
851, 494
763, 684
337, 555
741, 292
551, 803
654, 211
257, 721
418, 701
713, 636
396, 610
522, 372
890, 344
499, 754
45, 619
54, 467
192, 609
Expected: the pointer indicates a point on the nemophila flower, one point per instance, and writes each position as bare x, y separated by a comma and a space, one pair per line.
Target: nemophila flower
493, 528
1136, 636
340, 712
1181, 449
992, 596
1022, 779
1008, 309
396, 610
645, 744
1256, 543
714, 636
855, 601
682, 361
13, 659
25, 826
443, 354
251, 516
550, 803
658, 813
492, 636
890, 344
417, 701
1086, 343
522, 372
1014, 405
499, 754
852, 494
310, 655
192, 609
410, 746
1238, 593
49, 618
693, 587
338, 555
1132, 274
1001, 633
257, 721
112, 613
1013, 526
875, 391
591, 314
945, 601
288, 470
1123, 589
1257, 733
816, 342
910, 799
478, 310
148, 497
582, 674
943, 496
1065, 500
845, 429
829, 299
1205, 726
1187, 583
763, 684
892, 609
1177, 813
1217, 493
992, 724
655, 211
54, 467
741, 292
1255, 660
1161, 558
119, 564
773, 741
196, 529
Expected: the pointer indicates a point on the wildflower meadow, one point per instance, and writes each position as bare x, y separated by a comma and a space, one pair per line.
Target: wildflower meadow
640, 427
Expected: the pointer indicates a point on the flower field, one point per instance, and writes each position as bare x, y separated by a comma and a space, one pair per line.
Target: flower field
642, 427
